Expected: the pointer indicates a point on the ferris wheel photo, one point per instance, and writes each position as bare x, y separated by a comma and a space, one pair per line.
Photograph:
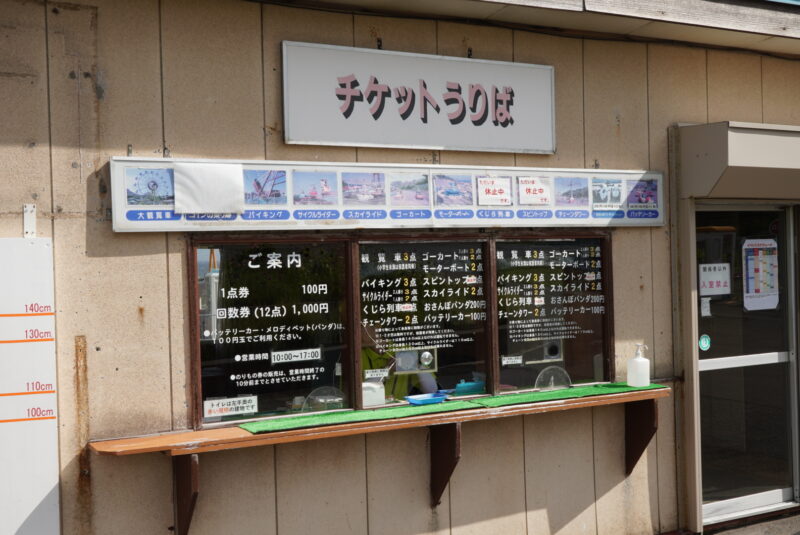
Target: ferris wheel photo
149, 186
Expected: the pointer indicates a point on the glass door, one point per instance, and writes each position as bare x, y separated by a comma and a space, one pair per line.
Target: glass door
748, 386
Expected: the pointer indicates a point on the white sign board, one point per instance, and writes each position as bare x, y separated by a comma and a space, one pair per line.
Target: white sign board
494, 191
213, 408
715, 279
335, 95
534, 191
760, 274
29, 495
302, 195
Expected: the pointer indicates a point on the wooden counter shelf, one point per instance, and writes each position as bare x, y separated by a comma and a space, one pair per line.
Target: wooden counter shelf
641, 423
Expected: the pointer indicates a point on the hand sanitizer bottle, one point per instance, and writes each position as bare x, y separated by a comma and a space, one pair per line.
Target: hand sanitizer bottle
639, 368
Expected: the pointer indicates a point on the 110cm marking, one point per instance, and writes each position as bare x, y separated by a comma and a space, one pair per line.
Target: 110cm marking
38, 386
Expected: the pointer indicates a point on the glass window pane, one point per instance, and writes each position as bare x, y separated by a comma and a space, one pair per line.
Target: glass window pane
741, 259
551, 306
423, 315
271, 329
745, 419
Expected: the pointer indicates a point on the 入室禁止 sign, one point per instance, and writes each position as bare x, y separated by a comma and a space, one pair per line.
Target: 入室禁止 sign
334, 95
715, 279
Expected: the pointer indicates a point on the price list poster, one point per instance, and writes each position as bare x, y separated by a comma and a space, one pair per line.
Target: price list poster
551, 309
426, 297
29, 500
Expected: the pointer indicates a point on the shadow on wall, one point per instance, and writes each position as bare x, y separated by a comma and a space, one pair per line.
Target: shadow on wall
574, 477
44, 518
100, 239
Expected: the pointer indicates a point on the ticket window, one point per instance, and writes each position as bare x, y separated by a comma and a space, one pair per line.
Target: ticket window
308, 326
423, 319
272, 329
747, 386
552, 304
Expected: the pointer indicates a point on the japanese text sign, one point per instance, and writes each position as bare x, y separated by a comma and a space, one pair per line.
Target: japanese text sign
361, 97
312, 195
715, 279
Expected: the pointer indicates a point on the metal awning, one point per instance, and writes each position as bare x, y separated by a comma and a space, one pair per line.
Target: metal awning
733, 160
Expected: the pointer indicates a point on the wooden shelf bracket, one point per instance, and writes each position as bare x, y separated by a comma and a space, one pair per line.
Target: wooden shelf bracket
186, 486
445, 453
641, 423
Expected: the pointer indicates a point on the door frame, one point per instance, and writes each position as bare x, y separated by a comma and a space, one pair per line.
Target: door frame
700, 515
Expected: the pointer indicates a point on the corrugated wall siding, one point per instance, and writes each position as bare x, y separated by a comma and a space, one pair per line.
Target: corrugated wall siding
82, 82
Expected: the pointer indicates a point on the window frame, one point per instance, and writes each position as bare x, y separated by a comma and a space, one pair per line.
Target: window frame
351, 240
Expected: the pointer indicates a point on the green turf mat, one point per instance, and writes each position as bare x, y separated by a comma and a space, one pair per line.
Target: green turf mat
567, 393
332, 418
389, 413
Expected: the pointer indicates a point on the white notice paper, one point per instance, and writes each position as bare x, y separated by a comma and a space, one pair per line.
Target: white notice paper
379, 373
511, 360
230, 406
203, 188
760, 274
534, 190
494, 191
715, 279
705, 307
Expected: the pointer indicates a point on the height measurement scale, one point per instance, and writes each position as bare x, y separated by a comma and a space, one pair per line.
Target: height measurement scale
29, 499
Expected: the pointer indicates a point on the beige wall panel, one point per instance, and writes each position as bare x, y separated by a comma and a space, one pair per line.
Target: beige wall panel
566, 56
667, 469
559, 473
128, 77
111, 288
633, 294
290, 24
680, 433
74, 154
734, 87
237, 493
130, 495
398, 479
676, 93
781, 83
179, 322
24, 135
74, 128
487, 489
624, 505
660, 353
458, 157
321, 485
11, 226
615, 104
486, 42
213, 90
407, 35
369, 154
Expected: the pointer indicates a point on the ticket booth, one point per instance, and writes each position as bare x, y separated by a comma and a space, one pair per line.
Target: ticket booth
738, 191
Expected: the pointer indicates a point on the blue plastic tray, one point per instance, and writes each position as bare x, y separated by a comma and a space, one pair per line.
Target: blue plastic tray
426, 399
